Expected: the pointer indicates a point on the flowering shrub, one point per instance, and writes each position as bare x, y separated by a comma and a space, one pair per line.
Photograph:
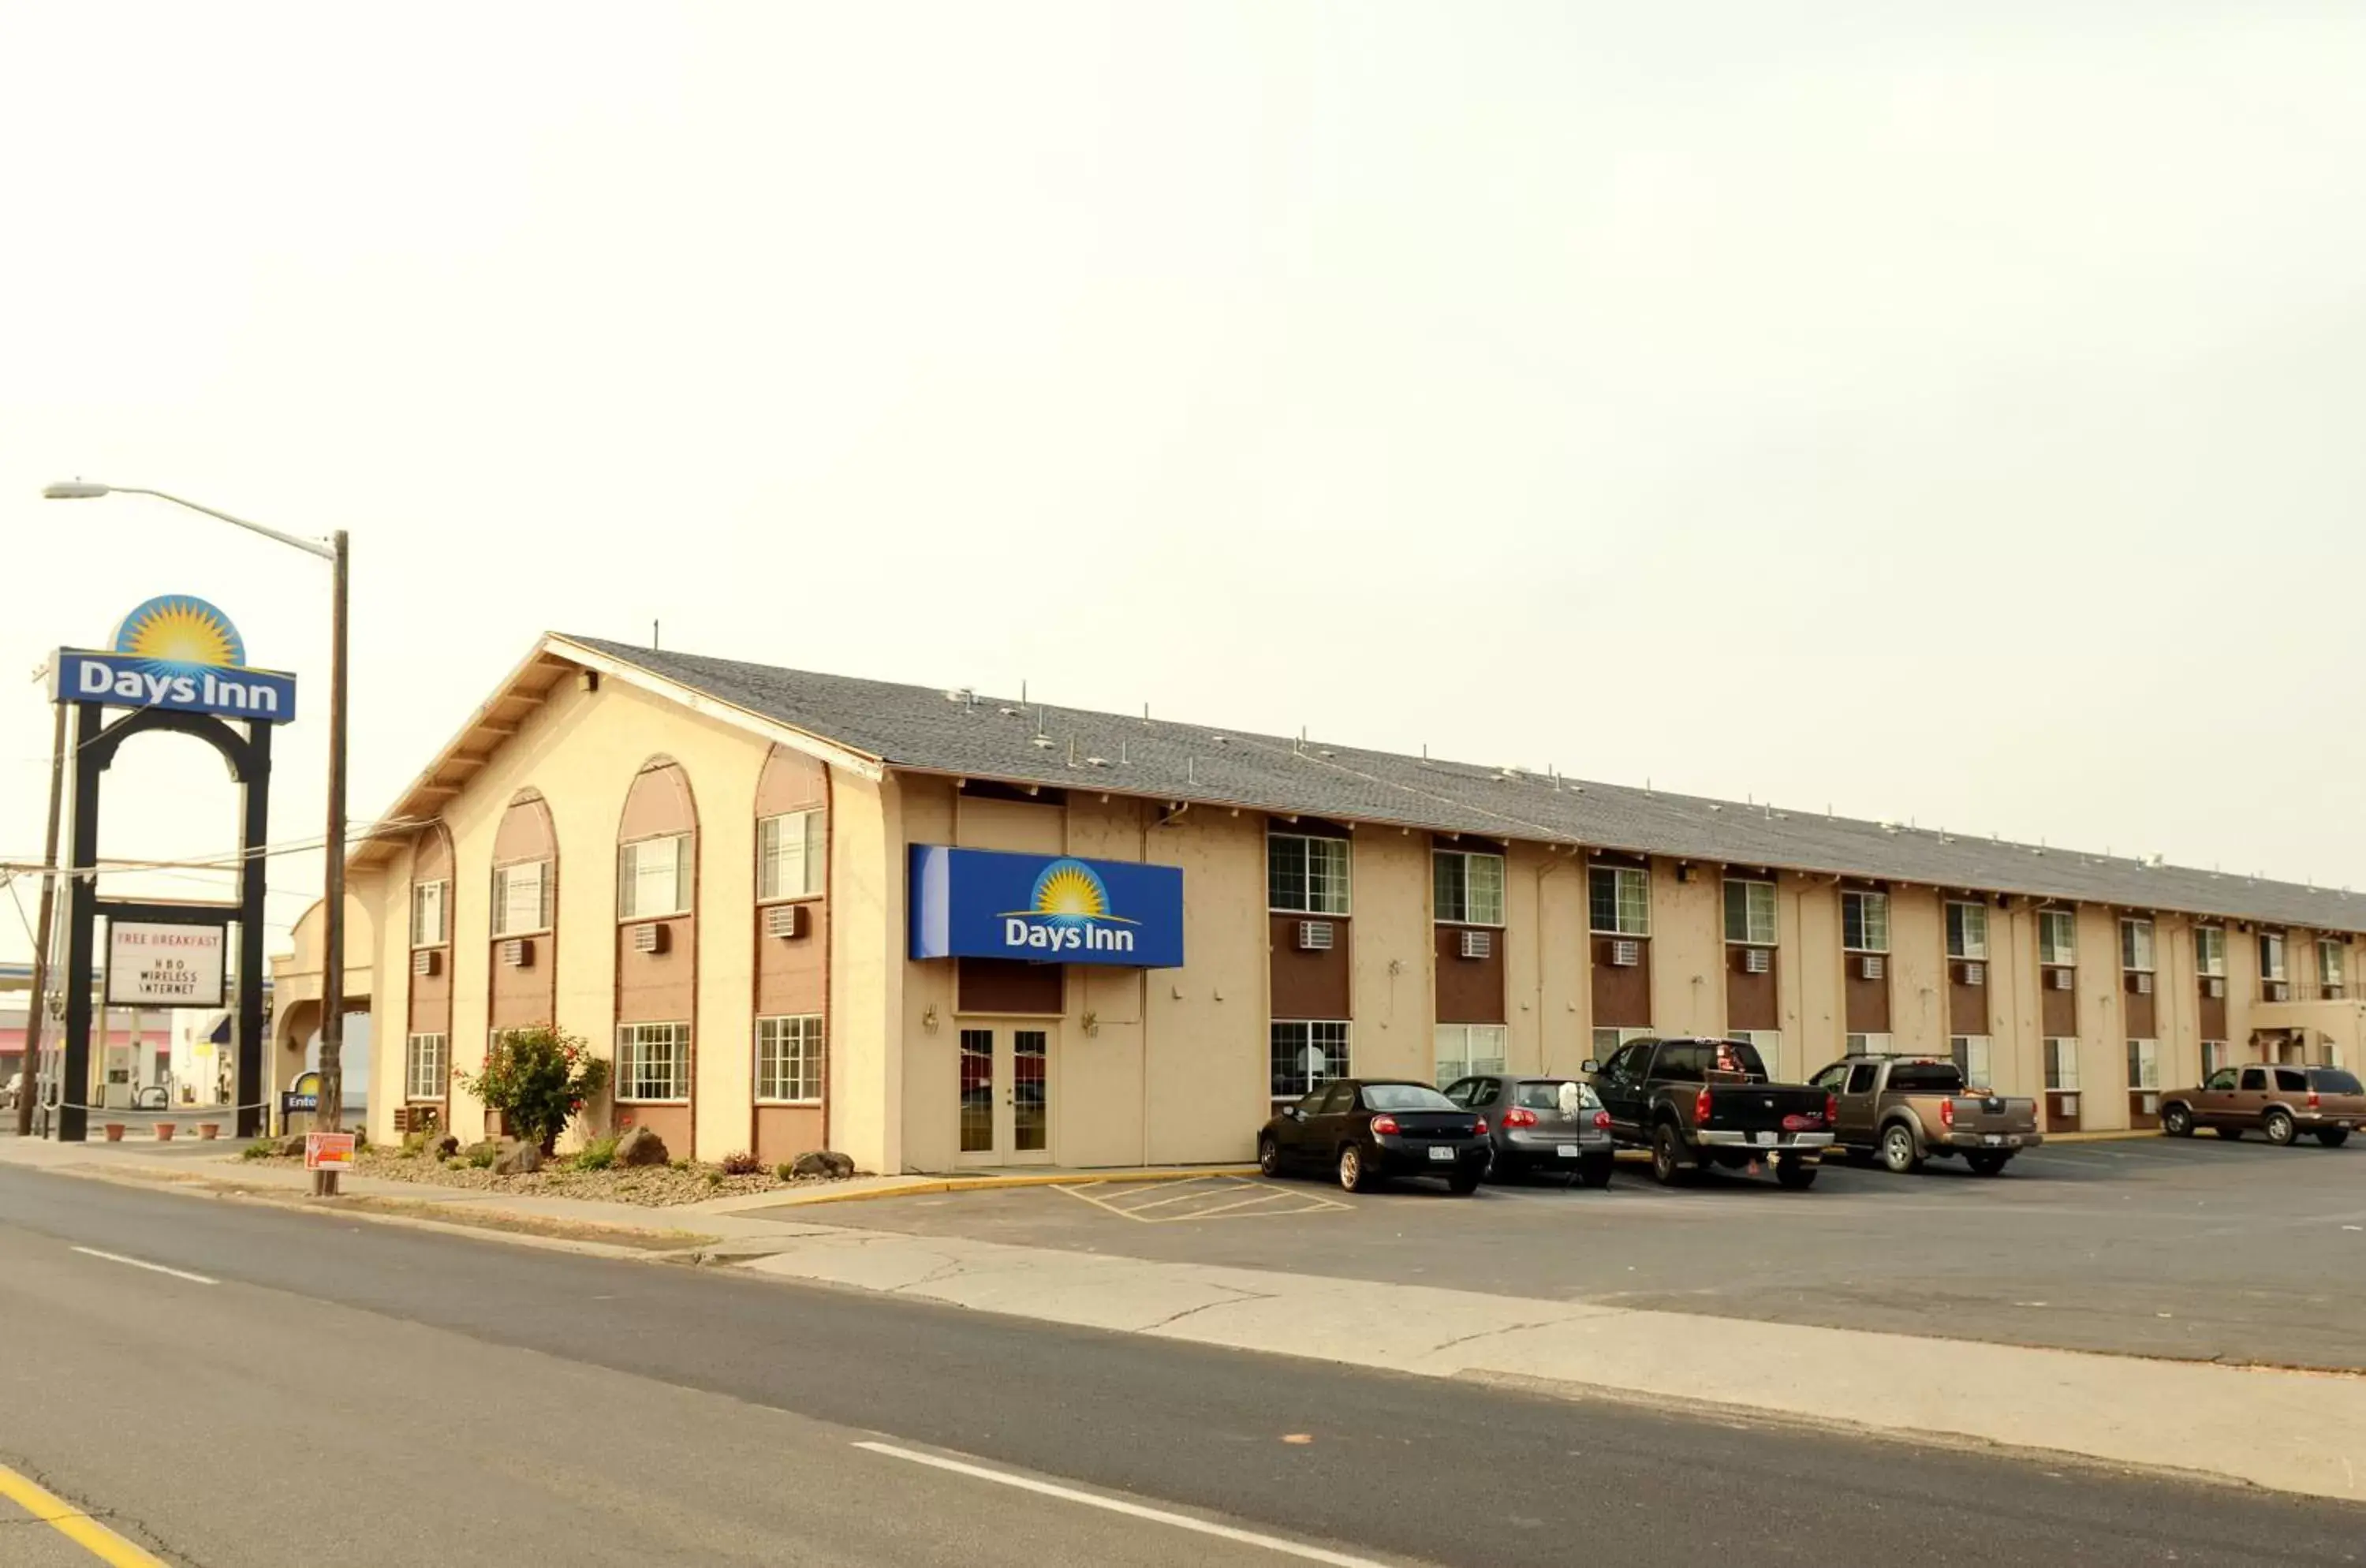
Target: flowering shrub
742, 1165
539, 1079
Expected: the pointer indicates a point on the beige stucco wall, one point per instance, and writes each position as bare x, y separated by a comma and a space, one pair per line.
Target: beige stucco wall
2102, 1023
1918, 971
1390, 970
1547, 974
1809, 968
1688, 949
2177, 1001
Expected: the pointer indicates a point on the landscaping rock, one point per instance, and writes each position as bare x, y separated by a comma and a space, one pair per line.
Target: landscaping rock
292, 1146
823, 1162
640, 1147
517, 1158
440, 1146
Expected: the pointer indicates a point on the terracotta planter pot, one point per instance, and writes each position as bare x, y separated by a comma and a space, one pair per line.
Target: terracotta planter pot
115, 1132
209, 1130
164, 1132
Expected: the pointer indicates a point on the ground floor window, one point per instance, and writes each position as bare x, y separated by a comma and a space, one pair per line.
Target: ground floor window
1971, 1054
788, 1058
2144, 1064
2062, 1064
1467, 1048
1607, 1041
427, 1066
2214, 1057
653, 1061
1305, 1053
1769, 1043
1868, 1045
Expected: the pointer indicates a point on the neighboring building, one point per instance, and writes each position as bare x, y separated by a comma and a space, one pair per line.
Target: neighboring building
728, 875
136, 1052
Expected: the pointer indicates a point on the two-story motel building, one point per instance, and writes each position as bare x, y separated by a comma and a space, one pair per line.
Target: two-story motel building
932, 929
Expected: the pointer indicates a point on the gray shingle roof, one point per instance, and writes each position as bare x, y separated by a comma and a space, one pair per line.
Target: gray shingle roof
989, 738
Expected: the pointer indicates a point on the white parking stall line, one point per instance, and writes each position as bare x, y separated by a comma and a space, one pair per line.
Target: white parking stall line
1130, 1510
152, 1268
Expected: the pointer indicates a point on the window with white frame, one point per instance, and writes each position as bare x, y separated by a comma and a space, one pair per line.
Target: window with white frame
1620, 899
1865, 922
788, 1058
427, 1066
1967, 930
2271, 956
2144, 1064
521, 899
652, 1061
1748, 912
790, 854
1469, 886
1607, 1041
1971, 1054
653, 877
2057, 937
2332, 966
2214, 1057
1869, 1045
2135, 945
1467, 1048
431, 903
1305, 876
1306, 1053
1769, 1044
2062, 1064
2210, 951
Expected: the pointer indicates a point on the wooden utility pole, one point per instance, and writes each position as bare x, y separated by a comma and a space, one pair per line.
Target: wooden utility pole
36, 1014
333, 936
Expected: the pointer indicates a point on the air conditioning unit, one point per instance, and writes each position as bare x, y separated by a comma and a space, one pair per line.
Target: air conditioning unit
427, 961
2140, 982
785, 920
2276, 991
1625, 954
2215, 987
1872, 965
1972, 972
1478, 944
1757, 961
1313, 936
518, 952
2151, 1105
649, 937
2060, 979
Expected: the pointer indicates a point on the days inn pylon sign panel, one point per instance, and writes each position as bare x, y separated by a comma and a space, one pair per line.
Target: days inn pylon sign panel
179, 653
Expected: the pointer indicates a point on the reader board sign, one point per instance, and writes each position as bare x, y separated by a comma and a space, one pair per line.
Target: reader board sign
151, 964
1044, 909
328, 1151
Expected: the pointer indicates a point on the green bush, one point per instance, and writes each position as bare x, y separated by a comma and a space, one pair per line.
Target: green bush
481, 1156
784, 1171
538, 1080
600, 1154
680, 1164
262, 1149
742, 1164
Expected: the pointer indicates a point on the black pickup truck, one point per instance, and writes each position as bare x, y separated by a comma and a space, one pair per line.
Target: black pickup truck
1696, 1102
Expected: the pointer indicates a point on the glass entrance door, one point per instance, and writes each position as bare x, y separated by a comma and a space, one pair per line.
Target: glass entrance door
1005, 1096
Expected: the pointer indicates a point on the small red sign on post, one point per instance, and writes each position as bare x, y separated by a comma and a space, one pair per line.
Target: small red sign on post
328, 1151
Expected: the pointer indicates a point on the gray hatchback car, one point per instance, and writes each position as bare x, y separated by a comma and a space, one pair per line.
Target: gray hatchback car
1529, 1129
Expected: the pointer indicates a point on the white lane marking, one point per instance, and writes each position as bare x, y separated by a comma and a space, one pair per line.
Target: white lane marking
1132, 1510
152, 1267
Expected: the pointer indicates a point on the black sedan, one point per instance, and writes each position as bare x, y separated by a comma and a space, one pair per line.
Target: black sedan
1365, 1131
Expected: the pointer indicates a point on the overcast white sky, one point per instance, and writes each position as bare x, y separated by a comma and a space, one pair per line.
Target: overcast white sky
1936, 410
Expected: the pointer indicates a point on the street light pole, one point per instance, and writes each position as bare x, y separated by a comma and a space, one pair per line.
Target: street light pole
334, 551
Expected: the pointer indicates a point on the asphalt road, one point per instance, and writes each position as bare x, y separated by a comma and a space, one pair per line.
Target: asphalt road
364, 1394
2199, 1248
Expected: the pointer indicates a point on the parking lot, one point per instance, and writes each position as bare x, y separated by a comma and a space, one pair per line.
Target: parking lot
2200, 1249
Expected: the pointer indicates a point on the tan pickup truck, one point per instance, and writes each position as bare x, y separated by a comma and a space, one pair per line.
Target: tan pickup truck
1904, 1109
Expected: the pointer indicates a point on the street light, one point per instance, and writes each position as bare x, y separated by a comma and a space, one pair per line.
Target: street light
331, 549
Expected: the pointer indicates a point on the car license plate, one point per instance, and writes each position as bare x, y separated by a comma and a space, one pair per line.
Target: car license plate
1993, 1138
1441, 1154
1567, 1151
1762, 1137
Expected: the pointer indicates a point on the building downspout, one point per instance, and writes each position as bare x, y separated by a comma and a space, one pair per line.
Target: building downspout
1552, 863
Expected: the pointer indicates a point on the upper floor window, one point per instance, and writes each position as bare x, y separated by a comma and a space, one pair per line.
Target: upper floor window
1865, 922
2271, 956
2332, 962
2057, 937
521, 899
653, 877
1620, 896
1967, 930
1470, 887
791, 855
1306, 875
2210, 950
2135, 945
1750, 912
431, 903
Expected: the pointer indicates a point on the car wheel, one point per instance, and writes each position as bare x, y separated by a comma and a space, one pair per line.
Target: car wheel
1500, 1167
2333, 1137
1353, 1177
2177, 1121
2229, 1134
1897, 1149
1669, 1167
1595, 1171
1986, 1165
2280, 1128
1269, 1156
1795, 1173
1462, 1183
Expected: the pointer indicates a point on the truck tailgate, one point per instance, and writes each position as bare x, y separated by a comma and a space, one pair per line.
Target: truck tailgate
1763, 1108
1993, 1113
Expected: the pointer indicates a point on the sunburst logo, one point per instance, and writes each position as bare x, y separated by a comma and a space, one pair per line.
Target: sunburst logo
182, 631
1071, 890
1070, 909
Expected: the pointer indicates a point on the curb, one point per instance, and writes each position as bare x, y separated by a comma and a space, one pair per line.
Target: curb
1044, 1179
